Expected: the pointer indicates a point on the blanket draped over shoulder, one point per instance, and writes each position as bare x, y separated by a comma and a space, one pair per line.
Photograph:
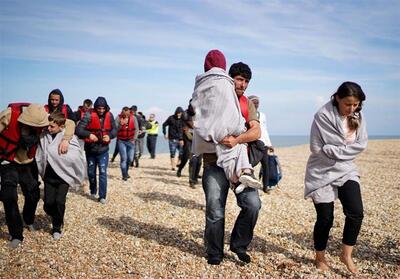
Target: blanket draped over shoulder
331, 162
217, 115
69, 166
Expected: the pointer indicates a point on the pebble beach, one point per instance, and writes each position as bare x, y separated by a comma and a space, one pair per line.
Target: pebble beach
152, 227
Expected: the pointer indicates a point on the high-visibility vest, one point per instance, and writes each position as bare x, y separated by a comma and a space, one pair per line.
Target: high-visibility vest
154, 128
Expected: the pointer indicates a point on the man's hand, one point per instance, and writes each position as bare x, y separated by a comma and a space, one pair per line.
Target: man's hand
106, 138
93, 137
181, 143
229, 141
63, 147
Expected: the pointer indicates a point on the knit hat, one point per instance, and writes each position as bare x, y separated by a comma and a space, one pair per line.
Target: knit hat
214, 58
34, 115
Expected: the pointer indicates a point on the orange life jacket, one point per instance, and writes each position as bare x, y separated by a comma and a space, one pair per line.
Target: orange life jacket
244, 107
10, 136
126, 131
97, 129
63, 110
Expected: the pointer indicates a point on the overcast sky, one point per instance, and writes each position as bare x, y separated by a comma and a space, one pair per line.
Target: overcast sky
148, 53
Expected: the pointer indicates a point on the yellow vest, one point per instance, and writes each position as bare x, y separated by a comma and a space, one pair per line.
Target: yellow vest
154, 128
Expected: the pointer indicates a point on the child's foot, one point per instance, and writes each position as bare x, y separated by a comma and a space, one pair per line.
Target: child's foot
348, 261
57, 235
249, 180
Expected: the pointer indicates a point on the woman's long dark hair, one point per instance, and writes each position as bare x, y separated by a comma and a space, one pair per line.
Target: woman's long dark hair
347, 89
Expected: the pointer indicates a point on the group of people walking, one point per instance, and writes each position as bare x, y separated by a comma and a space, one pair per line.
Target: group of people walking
217, 130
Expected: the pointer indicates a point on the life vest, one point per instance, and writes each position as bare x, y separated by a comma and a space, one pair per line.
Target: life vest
10, 136
126, 131
63, 110
94, 126
154, 128
244, 107
83, 112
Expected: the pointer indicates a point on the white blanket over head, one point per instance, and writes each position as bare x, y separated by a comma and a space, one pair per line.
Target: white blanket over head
217, 115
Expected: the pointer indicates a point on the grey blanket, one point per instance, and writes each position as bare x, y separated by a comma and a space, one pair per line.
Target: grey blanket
331, 162
217, 115
70, 166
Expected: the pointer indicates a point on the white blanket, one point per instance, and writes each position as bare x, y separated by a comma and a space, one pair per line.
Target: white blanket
331, 162
70, 166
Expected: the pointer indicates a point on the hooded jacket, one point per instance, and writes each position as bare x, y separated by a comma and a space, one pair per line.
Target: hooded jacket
64, 108
83, 133
175, 126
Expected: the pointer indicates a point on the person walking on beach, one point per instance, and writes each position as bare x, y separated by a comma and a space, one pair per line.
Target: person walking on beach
152, 134
267, 143
216, 185
56, 103
58, 171
85, 107
175, 134
217, 114
20, 127
127, 127
97, 128
338, 135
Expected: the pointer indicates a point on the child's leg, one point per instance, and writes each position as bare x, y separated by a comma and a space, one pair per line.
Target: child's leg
61, 196
50, 192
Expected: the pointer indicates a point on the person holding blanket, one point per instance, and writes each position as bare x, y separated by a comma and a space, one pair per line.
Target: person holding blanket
216, 115
58, 171
338, 135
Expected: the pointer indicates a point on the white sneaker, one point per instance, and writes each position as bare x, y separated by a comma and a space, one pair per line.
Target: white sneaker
239, 188
102, 201
14, 243
57, 235
93, 196
249, 180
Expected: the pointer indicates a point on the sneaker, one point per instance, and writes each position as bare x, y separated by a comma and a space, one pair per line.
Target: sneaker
14, 243
125, 178
244, 257
249, 180
102, 201
179, 173
93, 196
213, 260
239, 188
57, 235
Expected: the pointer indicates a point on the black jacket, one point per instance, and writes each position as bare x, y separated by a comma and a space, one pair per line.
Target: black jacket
175, 126
70, 114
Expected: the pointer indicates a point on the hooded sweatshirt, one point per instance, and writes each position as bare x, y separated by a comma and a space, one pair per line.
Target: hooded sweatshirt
70, 113
175, 126
82, 132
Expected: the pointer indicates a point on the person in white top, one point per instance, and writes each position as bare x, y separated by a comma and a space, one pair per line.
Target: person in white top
267, 142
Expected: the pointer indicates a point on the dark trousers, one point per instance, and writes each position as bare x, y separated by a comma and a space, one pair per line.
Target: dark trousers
194, 167
350, 197
184, 156
55, 196
116, 151
27, 177
216, 188
151, 145
264, 171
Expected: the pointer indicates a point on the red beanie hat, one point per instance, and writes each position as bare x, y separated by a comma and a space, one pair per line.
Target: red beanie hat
214, 58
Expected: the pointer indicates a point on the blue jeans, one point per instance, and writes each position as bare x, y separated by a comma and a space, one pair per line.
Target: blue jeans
126, 152
173, 146
216, 187
94, 160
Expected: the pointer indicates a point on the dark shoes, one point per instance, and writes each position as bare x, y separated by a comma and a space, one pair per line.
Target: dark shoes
214, 260
179, 173
244, 257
